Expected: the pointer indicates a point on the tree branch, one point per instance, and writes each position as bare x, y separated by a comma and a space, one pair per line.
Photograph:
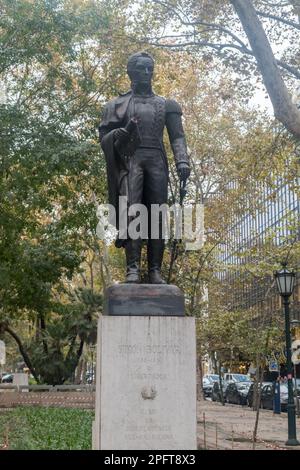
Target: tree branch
284, 110
276, 4
219, 47
278, 18
211, 26
71, 348
43, 329
288, 68
79, 351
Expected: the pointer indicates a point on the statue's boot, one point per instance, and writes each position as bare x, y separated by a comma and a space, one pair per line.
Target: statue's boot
133, 260
155, 257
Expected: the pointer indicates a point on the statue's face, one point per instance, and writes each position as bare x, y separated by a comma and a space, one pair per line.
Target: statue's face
143, 71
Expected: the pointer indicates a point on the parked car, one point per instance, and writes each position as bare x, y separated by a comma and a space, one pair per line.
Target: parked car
207, 387
211, 377
89, 377
2, 374
8, 378
237, 392
267, 396
251, 391
208, 382
216, 392
229, 377
297, 386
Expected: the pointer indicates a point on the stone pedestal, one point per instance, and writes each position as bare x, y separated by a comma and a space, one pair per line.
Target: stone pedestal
20, 379
146, 382
144, 299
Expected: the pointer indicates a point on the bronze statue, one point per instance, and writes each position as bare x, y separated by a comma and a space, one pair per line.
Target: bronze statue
131, 135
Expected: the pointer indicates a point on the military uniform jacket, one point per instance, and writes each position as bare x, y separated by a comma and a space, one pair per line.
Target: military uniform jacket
116, 114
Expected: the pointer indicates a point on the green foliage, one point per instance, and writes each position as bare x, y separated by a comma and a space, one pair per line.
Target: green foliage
46, 429
54, 77
60, 61
236, 154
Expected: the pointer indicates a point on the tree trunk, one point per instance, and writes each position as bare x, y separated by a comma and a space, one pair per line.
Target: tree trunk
43, 330
255, 404
80, 367
259, 376
220, 384
78, 372
79, 351
199, 377
22, 351
84, 364
285, 111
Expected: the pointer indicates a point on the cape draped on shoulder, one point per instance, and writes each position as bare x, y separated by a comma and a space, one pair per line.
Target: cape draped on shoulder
113, 118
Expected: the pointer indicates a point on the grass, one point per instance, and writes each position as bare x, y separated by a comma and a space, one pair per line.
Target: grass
39, 428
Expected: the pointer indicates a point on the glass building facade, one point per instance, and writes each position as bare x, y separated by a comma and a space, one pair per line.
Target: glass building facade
275, 219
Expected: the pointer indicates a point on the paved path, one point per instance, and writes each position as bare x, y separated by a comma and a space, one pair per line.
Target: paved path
231, 427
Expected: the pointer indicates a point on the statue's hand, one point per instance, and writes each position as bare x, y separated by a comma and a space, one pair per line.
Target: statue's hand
121, 134
184, 171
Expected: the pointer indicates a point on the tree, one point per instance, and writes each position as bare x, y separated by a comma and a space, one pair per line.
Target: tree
285, 110
235, 153
212, 26
55, 69
62, 60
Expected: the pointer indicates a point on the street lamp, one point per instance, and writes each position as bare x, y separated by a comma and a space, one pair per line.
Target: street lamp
285, 280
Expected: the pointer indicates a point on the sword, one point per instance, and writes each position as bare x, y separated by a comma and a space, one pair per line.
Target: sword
183, 190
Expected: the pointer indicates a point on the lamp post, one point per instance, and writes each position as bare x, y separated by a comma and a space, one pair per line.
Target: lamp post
285, 280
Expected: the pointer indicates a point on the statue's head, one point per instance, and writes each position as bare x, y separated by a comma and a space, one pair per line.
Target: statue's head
140, 67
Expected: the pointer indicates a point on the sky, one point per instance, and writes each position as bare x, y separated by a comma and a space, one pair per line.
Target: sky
261, 100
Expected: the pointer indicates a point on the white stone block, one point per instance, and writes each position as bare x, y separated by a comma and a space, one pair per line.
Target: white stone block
146, 383
20, 379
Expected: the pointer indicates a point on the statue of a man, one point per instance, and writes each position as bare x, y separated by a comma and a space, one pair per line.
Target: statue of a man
131, 135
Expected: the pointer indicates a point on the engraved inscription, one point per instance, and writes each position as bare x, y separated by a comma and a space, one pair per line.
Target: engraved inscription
143, 358
149, 349
148, 376
147, 384
149, 431
149, 353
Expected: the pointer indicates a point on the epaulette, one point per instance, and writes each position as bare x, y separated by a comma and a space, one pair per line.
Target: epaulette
173, 107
